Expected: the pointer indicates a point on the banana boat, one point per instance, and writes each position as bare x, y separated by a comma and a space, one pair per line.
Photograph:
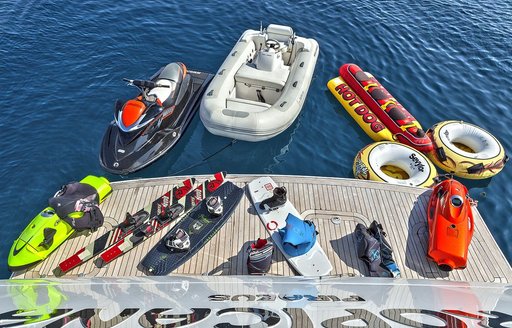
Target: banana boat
378, 113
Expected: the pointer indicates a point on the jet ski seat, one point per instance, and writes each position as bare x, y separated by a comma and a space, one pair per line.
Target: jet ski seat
164, 94
171, 72
170, 76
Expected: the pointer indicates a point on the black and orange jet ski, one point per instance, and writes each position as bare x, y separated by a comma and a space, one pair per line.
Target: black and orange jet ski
146, 127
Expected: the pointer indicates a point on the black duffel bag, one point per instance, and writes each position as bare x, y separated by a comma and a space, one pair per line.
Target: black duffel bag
77, 204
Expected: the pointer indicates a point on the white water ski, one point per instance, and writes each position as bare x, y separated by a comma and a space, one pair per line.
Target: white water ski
312, 263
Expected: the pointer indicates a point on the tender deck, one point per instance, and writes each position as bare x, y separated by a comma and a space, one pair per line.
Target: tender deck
336, 205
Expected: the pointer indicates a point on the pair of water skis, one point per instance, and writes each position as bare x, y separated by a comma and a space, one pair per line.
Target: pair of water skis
200, 210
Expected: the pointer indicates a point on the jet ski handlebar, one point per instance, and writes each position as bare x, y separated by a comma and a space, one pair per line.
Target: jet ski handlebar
145, 84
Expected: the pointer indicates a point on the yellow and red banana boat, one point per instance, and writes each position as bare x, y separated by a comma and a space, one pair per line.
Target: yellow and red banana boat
356, 108
380, 115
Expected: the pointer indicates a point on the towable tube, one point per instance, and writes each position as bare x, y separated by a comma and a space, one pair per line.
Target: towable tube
388, 110
466, 150
395, 163
356, 108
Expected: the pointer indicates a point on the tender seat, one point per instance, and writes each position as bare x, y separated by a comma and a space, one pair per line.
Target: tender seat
282, 34
279, 33
275, 79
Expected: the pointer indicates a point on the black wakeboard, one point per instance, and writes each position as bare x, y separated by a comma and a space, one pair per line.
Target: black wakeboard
200, 225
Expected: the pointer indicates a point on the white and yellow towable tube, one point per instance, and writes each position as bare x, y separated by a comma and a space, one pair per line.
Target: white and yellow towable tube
394, 163
366, 119
466, 150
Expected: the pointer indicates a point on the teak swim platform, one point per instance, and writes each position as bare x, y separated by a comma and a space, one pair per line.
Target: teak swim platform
335, 205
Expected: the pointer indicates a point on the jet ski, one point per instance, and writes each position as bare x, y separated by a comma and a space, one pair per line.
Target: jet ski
146, 127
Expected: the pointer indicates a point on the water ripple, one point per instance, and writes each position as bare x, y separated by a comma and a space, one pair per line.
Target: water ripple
62, 63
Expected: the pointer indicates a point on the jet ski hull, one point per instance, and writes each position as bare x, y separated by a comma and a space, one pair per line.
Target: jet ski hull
30, 247
120, 157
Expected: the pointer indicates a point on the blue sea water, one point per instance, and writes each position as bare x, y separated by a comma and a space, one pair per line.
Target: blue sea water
61, 65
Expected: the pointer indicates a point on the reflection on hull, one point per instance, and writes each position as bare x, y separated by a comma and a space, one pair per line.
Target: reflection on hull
267, 301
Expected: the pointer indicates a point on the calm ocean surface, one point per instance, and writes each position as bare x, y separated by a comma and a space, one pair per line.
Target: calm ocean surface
61, 65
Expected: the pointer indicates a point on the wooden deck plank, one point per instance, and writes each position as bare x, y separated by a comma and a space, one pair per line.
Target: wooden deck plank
418, 241
396, 229
338, 234
114, 268
486, 266
413, 244
401, 210
474, 259
396, 208
295, 190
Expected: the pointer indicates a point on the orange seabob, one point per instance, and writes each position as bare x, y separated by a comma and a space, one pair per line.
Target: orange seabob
450, 225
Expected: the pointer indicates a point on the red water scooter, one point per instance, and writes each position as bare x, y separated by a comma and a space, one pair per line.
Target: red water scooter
450, 224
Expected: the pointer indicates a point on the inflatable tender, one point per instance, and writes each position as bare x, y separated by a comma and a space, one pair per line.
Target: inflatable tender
466, 150
395, 163
260, 89
47, 230
450, 225
376, 110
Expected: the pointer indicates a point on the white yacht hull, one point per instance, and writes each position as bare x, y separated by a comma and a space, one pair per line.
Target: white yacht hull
264, 301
